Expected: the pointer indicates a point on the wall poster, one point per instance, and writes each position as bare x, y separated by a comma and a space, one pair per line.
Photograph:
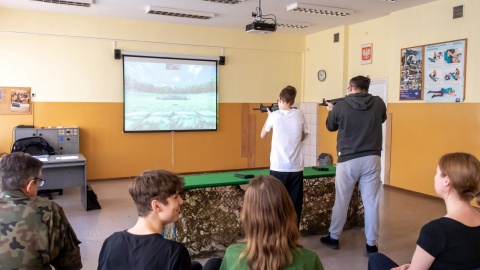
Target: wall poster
367, 52
445, 71
411, 73
15, 100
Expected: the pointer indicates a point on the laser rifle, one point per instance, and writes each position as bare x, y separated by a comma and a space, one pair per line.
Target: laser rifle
273, 107
333, 101
262, 108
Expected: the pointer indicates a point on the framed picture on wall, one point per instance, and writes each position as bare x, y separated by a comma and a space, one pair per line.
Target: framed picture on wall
15, 100
445, 71
411, 68
367, 52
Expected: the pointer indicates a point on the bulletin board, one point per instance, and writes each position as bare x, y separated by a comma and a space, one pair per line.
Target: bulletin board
15, 100
445, 71
434, 72
411, 73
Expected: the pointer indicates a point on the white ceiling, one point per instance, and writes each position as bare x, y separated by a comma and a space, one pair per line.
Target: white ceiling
226, 15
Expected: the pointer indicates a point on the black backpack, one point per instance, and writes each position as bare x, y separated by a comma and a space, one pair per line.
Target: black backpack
35, 146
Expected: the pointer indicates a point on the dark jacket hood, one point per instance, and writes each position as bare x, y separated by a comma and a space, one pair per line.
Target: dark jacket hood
360, 101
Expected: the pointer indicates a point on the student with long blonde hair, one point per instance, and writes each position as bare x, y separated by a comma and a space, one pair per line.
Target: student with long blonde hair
271, 234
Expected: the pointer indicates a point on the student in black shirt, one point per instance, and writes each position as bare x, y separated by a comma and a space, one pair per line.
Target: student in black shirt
453, 241
156, 195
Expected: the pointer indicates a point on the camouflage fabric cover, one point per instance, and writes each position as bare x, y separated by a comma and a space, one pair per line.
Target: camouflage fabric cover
35, 233
210, 219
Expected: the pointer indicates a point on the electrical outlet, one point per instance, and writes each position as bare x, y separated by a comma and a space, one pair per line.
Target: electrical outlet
34, 94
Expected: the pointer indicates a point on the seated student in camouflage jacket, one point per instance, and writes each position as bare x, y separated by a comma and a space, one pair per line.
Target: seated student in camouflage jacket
34, 232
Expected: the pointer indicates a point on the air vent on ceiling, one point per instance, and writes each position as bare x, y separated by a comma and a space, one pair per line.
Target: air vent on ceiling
78, 3
336, 37
322, 10
179, 13
458, 12
231, 2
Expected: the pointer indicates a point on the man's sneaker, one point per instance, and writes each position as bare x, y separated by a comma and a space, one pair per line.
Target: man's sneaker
371, 250
330, 242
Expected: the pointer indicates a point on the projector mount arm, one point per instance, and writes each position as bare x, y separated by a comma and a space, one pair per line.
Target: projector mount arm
258, 16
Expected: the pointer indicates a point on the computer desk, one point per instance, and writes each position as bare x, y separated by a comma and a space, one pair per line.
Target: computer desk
66, 171
213, 202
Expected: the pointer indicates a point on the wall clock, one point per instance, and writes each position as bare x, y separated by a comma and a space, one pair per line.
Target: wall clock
322, 75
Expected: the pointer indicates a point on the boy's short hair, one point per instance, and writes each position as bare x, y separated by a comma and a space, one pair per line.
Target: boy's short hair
288, 94
154, 185
17, 170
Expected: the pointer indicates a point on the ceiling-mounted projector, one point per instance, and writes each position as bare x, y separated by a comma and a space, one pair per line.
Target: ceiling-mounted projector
261, 27
260, 24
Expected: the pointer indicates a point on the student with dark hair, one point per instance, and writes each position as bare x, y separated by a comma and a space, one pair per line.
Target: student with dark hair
286, 155
271, 234
34, 231
358, 120
453, 241
156, 196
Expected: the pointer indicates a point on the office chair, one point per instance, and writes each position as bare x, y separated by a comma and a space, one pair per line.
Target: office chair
36, 146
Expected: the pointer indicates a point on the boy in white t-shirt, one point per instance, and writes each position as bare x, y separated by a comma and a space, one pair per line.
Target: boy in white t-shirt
286, 156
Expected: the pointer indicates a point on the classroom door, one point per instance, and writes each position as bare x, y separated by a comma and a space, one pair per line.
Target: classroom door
378, 87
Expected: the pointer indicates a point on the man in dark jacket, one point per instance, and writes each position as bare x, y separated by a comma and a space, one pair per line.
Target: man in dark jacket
358, 120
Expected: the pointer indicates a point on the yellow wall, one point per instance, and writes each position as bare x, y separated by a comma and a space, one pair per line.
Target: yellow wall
377, 32
68, 62
323, 53
430, 16
70, 66
70, 58
424, 133
111, 153
421, 132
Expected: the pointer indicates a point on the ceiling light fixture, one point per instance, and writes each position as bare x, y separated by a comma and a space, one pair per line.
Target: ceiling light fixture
179, 13
231, 2
298, 25
78, 3
314, 9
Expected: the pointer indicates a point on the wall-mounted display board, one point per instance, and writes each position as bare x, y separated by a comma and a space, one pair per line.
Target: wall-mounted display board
15, 100
445, 71
411, 73
434, 72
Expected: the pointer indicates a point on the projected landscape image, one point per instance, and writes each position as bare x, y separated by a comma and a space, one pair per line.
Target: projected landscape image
163, 94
